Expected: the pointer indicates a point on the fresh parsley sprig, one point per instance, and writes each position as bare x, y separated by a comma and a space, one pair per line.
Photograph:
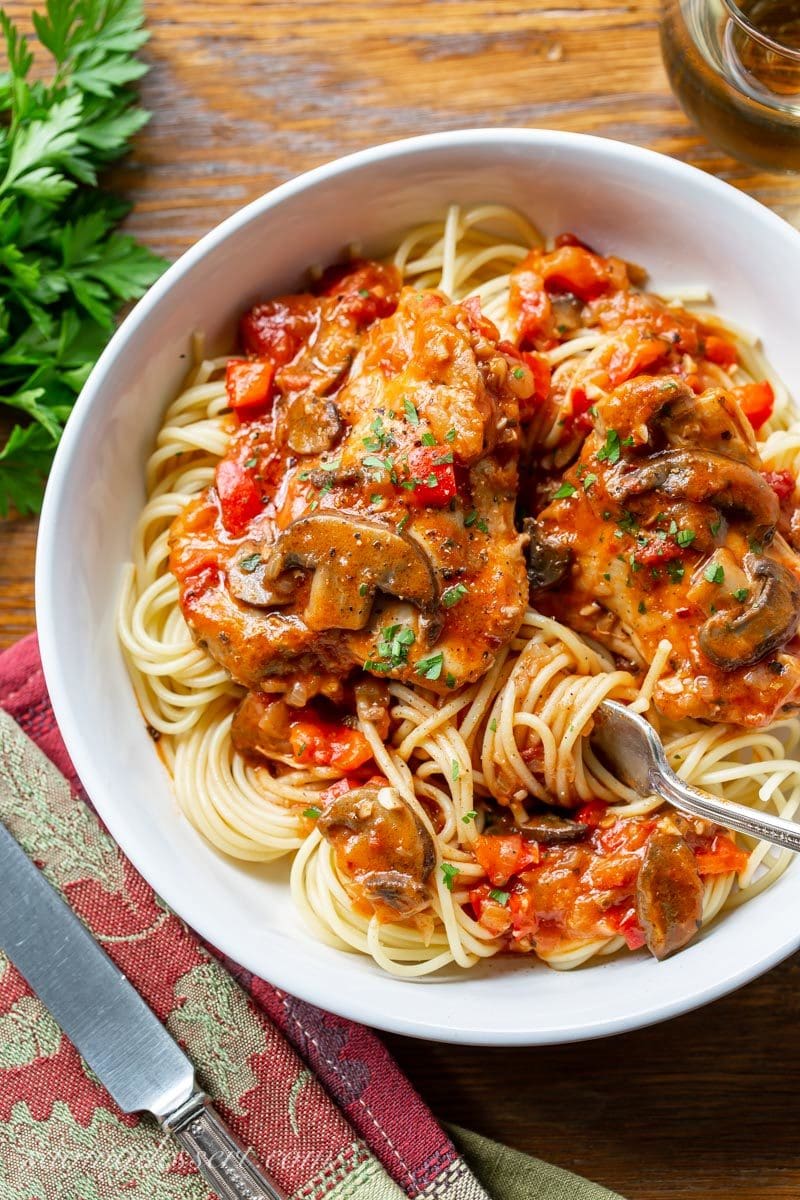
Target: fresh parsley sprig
64, 270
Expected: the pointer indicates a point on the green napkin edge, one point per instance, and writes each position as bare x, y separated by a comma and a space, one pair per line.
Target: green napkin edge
508, 1174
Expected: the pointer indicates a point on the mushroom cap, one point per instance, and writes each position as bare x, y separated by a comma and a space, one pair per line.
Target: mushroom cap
352, 558
766, 623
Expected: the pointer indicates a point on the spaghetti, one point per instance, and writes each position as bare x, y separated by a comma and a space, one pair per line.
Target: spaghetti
519, 731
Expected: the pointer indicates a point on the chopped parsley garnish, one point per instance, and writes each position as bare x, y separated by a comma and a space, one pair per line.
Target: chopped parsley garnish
715, 527
566, 489
428, 439
628, 523
518, 373
450, 680
393, 647
376, 498
449, 873
250, 563
362, 589
380, 439
410, 411
642, 606
447, 457
613, 448
379, 464
741, 594
363, 293
312, 813
714, 573
453, 594
331, 466
450, 436
251, 462
430, 667
455, 770
493, 725
499, 897
589, 481
469, 816
471, 518
685, 537
676, 571
401, 524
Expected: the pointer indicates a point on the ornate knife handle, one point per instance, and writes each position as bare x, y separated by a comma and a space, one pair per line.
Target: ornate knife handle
220, 1158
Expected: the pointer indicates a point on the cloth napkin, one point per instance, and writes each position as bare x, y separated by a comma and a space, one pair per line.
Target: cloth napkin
318, 1098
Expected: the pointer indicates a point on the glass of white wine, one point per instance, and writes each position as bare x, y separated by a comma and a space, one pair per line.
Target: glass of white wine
735, 67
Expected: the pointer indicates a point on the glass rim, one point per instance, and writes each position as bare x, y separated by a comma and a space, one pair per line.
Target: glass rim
744, 22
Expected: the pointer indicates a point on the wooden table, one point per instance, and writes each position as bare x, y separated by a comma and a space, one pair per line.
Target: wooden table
244, 95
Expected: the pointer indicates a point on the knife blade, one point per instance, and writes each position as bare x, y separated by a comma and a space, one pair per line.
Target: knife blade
105, 1018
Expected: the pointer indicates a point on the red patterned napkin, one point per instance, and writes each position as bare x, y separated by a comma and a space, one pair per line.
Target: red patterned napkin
318, 1098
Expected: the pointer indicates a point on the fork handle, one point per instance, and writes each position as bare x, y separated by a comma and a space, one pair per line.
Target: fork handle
765, 826
221, 1159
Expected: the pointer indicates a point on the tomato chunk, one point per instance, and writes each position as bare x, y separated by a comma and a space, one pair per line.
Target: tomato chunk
491, 911
503, 856
782, 483
433, 476
326, 745
240, 499
720, 351
574, 269
249, 387
757, 401
721, 857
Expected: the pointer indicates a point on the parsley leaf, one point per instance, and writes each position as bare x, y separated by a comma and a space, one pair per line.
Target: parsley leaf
449, 873
714, 573
453, 594
566, 490
431, 667
611, 451
64, 270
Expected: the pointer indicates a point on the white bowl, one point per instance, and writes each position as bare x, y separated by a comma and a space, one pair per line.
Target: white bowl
686, 227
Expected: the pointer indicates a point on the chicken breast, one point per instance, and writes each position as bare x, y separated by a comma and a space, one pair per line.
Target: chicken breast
666, 528
387, 543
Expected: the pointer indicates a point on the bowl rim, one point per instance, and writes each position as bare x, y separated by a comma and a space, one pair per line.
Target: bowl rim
313, 990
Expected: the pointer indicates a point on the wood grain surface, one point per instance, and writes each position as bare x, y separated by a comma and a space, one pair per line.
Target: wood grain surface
246, 94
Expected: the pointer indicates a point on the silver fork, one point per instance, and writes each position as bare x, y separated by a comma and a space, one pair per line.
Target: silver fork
632, 749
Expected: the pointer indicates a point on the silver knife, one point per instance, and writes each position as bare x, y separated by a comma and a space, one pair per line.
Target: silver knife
123, 1042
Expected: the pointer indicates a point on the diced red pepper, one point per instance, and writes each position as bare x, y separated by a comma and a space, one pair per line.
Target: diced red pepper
480, 323
240, 499
541, 375
277, 329
757, 401
324, 745
365, 290
782, 483
633, 354
720, 351
627, 924
657, 550
574, 269
722, 856
434, 480
523, 914
505, 855
592, 814
493, 914
249, 387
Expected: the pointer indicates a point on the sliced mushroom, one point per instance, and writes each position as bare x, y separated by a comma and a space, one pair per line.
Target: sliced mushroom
700, 475
383, 851
713, 420
261, 726
352, 558
313, 424
669, 894
246, 579
547, 561
733, 639
550, 829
